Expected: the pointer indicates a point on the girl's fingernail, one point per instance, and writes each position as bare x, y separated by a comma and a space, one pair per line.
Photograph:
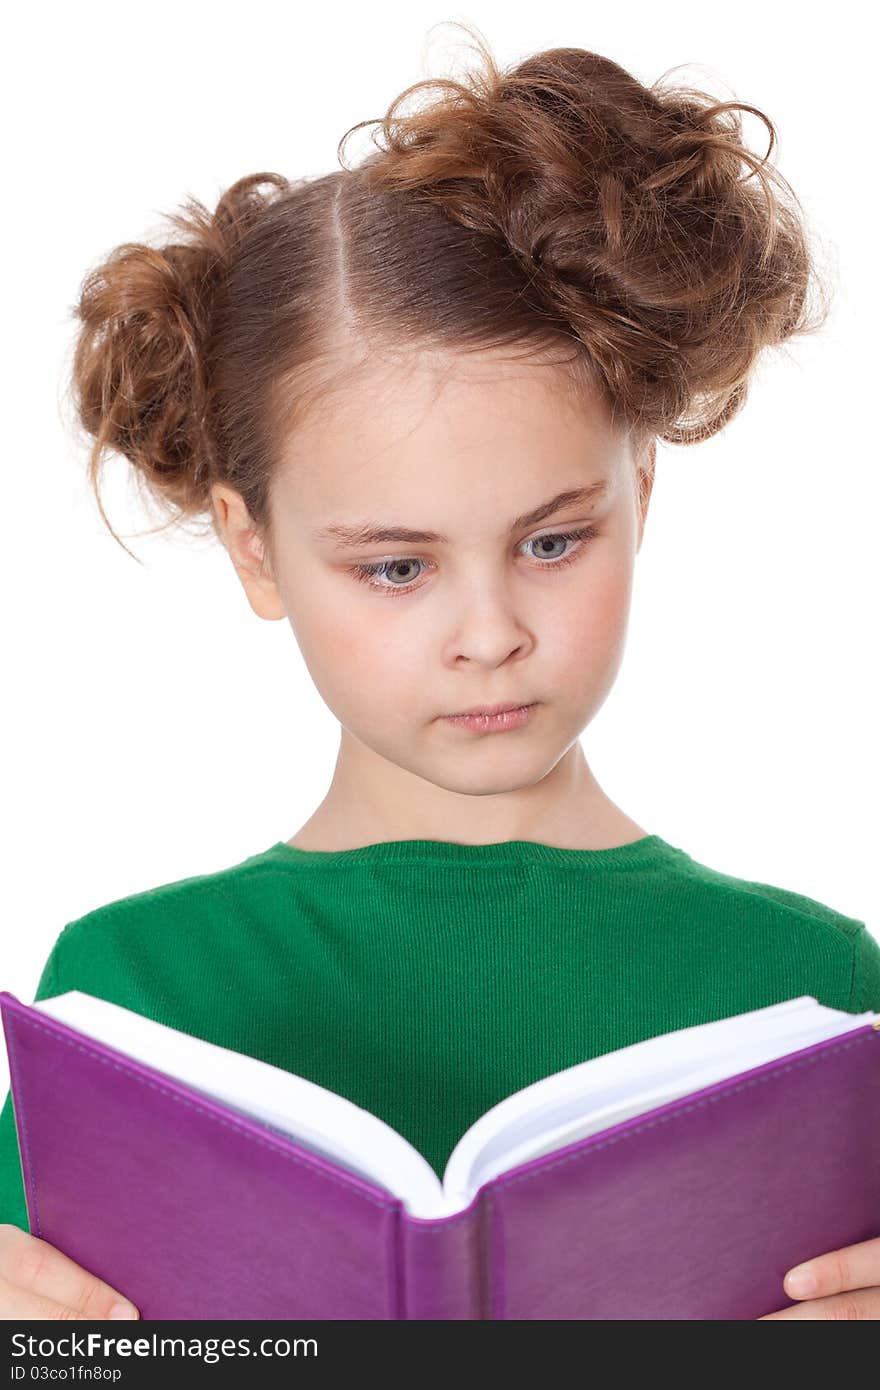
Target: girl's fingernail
801, 1281
123, 1310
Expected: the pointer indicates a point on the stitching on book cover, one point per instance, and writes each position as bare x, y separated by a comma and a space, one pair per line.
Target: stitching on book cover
500, 1183
21, 1126
338, 1180
395, 1265
686, 1109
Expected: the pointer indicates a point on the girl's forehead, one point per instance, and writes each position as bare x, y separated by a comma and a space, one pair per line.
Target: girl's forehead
446, 450
425, 392
509, 433
428, 502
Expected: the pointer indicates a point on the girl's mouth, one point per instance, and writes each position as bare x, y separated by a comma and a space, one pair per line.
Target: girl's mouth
492, 723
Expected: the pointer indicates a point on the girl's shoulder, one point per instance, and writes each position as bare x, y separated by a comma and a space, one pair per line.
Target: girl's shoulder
176, 900
156, 935
797, 903
757, 915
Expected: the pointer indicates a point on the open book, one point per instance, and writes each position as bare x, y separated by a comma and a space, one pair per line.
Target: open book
588, 1154
553, 1112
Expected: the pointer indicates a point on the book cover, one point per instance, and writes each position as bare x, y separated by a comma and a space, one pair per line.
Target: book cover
693, 1208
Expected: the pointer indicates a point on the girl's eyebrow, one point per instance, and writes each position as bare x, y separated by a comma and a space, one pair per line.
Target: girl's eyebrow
374, 533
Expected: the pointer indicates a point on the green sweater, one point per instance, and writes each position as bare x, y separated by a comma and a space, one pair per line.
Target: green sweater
426, 980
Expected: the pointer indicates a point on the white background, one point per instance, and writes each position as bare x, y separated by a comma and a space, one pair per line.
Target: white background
155, 728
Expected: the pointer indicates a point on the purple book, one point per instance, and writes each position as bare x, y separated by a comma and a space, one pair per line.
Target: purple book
676, 1178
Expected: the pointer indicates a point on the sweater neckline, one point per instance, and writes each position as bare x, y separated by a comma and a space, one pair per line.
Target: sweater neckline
647, 850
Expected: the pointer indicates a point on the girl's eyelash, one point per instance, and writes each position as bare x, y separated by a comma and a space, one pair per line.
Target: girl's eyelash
366, 574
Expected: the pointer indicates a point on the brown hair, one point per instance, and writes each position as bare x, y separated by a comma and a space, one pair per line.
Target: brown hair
559, 206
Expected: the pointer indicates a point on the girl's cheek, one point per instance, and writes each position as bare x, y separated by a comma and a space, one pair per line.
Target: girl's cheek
594, 617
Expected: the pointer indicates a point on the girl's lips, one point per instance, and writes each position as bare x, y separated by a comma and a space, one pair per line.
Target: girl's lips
487, 709
492, 723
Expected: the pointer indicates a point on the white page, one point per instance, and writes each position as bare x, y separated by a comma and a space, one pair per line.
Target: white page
631, 1080
318, 1118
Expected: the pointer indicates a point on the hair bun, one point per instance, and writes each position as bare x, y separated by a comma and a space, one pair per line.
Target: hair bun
145, 312
627, 209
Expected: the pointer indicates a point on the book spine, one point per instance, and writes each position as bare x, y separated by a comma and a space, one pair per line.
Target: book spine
444, 1266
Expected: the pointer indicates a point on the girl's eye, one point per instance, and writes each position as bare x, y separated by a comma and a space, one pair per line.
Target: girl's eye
370, 574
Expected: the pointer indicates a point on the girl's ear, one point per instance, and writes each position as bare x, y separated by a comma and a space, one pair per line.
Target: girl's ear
645, 465
241, 537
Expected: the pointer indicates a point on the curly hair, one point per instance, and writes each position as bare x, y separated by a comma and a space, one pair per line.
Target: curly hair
559, 209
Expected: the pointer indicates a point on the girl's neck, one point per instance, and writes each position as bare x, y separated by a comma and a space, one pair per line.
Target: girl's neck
370, 801
606, 827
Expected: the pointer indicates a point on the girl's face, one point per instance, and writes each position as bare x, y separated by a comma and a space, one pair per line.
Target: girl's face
495, 606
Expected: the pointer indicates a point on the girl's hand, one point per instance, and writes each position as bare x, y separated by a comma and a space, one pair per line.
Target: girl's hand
37, 1281
847, 1285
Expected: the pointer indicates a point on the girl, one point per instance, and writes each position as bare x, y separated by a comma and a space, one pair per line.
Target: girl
419, 401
